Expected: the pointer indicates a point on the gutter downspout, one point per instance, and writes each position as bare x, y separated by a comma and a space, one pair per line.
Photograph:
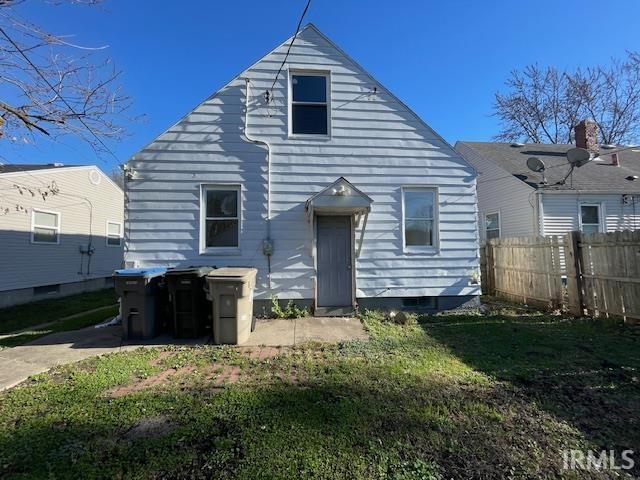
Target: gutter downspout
267, 247
540, 214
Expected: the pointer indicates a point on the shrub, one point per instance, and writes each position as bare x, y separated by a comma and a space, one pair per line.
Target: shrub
291, 310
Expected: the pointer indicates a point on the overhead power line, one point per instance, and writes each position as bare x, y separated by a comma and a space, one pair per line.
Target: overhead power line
46, 80
304, 12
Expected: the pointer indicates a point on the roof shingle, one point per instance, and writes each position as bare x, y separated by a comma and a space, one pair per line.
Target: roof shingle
599, 175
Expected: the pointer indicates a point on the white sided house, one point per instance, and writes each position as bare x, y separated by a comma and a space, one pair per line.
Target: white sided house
601, 196
61, 230
328, 184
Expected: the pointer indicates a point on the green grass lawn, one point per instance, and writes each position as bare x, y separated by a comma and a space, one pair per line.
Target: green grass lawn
64, 325
453, 396
53, 313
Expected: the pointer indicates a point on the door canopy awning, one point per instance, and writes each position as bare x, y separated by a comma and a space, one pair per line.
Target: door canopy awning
339, 198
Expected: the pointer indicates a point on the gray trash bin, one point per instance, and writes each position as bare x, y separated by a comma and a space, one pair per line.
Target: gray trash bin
190, 308
142, 295
231, 293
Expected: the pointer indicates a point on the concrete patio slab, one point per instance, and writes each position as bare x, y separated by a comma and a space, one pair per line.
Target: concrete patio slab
278, 332
19, 363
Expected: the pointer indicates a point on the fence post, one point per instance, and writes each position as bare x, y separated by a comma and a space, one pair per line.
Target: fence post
491, 271
573, 261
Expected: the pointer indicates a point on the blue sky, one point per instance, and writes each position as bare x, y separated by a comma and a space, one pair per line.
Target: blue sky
445, 59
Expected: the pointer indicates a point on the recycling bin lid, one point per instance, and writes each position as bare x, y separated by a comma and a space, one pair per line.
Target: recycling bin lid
148, 272
197, 271
232, 272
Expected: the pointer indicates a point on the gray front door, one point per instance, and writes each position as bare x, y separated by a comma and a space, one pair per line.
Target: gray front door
334, 261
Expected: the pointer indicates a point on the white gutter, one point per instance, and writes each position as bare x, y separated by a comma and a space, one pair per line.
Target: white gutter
267, 247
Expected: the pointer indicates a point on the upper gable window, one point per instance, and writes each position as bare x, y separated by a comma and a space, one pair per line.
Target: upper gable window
309, 104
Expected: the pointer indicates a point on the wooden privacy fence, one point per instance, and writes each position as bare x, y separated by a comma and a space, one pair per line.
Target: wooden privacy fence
598, 274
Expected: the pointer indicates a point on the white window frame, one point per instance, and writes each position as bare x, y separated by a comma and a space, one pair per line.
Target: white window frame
106, 237
600, 215
204, 250
290, 102
436, 220
499, 224
34, 226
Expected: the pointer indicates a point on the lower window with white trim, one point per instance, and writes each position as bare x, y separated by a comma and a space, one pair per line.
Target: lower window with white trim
492, 225
420, 229
45, 226
590, 218
220, 218
114, 234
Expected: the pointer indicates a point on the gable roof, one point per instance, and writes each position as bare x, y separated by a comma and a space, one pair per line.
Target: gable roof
599, 175
17, 169
26, 167
313, 28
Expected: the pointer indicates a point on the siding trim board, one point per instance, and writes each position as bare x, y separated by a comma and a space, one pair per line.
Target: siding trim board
375, 141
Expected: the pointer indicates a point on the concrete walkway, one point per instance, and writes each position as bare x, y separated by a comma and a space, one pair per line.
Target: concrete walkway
19, 363
277, 332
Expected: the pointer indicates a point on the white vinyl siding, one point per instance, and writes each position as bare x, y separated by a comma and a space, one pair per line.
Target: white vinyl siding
84, 210
114, 234
562, 212
376, 143
499, 191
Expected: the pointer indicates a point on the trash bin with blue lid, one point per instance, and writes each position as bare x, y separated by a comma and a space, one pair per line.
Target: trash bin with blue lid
189, 305
142, 293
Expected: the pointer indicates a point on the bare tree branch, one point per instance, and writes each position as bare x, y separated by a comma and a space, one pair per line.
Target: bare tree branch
543, 105
61, 88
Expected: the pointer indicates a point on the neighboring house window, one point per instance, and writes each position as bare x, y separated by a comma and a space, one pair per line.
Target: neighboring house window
492, 225
309, 104
45, 227
420, 218
114, 234
590, 218
221, 217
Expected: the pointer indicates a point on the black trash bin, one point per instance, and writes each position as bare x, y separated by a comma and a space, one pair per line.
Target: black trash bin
190, 307
142, 293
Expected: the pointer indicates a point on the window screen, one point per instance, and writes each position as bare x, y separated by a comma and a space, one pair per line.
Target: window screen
222, 219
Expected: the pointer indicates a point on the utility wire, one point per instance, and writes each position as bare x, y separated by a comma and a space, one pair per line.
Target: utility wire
46, 80
304, 12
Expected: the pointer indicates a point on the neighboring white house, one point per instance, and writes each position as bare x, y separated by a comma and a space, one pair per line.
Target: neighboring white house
61, 231
601, 196
334, 189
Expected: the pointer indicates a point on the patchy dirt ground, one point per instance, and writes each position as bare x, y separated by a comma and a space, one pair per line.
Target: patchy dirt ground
454, 396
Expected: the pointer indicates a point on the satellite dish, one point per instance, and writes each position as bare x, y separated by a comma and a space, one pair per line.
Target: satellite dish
578, 157
535, 164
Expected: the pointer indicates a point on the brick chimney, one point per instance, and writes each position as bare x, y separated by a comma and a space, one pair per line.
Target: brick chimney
614, 160
586, 133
